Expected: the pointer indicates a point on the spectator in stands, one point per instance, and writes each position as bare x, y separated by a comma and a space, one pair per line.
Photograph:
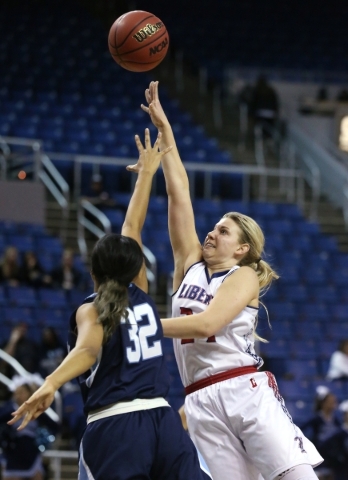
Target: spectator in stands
264, 103
324, 427
20, 449
22, 349
66, 276
100, 197
322, 94
10, 267
338, 366
31, 272
52, 351
342, 95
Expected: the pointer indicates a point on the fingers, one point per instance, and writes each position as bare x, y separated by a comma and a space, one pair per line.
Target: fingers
138, 144
132, 168
168, 149
148, 95
154, 91
146, 109
147, 139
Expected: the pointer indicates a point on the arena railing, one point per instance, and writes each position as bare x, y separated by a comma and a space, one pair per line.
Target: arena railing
294, 190
56, 456
33, 159
326, 174
56, 414
89, 222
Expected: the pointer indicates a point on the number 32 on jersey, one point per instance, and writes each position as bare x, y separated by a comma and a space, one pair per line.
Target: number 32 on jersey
139, 336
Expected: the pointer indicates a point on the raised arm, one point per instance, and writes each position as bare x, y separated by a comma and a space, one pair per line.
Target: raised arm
146, 167
183, 236
81, 358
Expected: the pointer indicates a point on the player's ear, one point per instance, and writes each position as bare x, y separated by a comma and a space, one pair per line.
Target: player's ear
243, 248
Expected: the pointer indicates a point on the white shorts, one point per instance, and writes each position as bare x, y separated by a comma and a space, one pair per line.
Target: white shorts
243, 429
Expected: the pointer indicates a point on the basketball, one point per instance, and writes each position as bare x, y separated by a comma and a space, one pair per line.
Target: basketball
138, 41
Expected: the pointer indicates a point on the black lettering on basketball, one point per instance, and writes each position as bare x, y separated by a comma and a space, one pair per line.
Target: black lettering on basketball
158, 48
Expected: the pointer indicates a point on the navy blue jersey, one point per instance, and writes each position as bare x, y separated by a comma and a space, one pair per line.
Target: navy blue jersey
131, 364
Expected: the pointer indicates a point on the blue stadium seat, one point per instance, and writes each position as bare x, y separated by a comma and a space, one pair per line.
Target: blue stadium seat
326, 348
327, 294
305, 347
279, 226
49, 245
289, 210
52, 298
294, 293
280, 329
302, 369
293, 390
289, 274
340, 312
14, 315
263, 209
278, 348
116, 218
22, 242
22, 296
300, 410
339, 276
325, 243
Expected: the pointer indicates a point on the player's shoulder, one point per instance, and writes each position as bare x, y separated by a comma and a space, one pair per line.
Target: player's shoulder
240, 273
137, 295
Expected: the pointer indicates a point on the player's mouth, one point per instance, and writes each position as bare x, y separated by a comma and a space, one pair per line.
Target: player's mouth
209, 245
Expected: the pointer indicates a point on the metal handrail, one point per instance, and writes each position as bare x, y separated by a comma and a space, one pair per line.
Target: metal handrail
333, 181
43, 170
55, 416
56, 457
85, 223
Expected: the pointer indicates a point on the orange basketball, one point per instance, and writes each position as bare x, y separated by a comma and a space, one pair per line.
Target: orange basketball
138, 41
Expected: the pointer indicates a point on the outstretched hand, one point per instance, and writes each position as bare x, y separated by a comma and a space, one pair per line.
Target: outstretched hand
149, 157
154, 108
34, 406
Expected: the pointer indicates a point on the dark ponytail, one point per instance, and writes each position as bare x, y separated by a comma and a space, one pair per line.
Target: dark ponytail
116, 261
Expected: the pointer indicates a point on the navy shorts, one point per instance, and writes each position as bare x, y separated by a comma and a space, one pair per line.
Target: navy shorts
143, 445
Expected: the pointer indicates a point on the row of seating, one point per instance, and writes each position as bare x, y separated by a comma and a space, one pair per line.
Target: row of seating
23, 296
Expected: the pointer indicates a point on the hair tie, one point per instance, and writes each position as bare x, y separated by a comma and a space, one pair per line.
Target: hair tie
258, 260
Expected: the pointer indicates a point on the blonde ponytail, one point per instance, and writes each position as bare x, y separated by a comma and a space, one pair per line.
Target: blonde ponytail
111, 304
252, 234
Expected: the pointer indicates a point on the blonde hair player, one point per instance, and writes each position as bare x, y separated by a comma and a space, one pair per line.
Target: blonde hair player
235, 414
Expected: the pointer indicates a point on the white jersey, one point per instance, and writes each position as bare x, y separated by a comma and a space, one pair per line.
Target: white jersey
231, 347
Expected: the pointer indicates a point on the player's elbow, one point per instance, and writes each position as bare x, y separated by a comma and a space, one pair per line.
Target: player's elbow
205, 330
90, 354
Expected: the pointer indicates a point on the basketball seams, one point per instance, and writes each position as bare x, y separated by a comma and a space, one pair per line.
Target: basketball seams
142, 46
152, 49
120, 59
134, 28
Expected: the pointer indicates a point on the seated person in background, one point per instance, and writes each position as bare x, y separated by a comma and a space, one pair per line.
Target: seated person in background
20, 449
338, 366
31, 272
100, 197
52, 351
10, 267
22, 348
322, 427
66, 276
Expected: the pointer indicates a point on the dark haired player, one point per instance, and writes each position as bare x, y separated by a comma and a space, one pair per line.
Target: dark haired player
115, 350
